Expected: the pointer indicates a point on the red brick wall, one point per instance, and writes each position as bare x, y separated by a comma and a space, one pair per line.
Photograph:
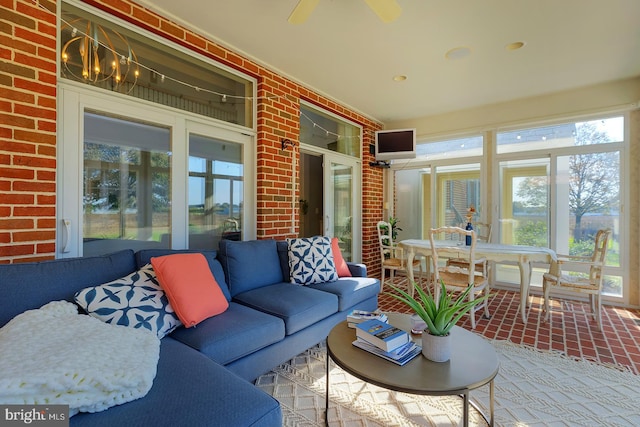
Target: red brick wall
27, 152
27, 130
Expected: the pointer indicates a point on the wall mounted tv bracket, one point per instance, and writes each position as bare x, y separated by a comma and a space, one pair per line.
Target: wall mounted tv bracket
380, 164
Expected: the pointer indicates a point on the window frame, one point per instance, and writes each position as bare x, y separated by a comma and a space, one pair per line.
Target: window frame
490, 176
553, 154
76, 98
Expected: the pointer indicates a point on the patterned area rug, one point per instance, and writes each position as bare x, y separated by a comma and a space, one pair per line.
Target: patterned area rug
533, 388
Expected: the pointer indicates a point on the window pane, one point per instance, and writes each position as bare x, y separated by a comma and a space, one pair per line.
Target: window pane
127, 201
326, 131
342, 181
453, 148
103, 54
524, 212
562, 135
591, 183
412, 212
215, 192
458, 190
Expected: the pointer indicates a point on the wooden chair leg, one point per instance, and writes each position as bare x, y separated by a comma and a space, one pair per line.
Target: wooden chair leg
472, 312
545, 296
598, 310
487, 291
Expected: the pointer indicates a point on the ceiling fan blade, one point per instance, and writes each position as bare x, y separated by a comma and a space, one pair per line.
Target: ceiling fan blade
387, 10
302, 11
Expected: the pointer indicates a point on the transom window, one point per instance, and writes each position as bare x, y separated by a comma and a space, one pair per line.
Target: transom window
100, 53
323, 130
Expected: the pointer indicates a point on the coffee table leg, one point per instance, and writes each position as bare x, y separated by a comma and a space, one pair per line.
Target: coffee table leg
465, 413
491, 403
326, 395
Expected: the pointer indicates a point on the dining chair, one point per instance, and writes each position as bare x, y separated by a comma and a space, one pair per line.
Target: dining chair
483, 234
392, 256
458, 277
564, 273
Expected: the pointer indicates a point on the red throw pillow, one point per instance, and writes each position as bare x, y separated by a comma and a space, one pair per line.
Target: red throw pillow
190, 286
341, 265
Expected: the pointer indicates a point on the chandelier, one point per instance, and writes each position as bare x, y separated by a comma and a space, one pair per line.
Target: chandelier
102, 54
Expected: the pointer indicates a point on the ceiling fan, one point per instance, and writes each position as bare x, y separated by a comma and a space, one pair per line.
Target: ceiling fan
387, 10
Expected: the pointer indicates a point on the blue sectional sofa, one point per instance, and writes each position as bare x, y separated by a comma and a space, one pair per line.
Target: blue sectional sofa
205, 373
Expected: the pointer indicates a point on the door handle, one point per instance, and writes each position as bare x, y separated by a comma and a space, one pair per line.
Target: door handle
66, 235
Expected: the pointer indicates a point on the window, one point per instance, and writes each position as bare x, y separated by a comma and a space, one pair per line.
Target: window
563, 135
145, 160
108, 56
458, 188
215, 192
552, 186
126, 176
324, 130
440, 185
451, 148
524, 214
561, 199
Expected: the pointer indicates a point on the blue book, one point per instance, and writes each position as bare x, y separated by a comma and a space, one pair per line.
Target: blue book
399, 356
382, 335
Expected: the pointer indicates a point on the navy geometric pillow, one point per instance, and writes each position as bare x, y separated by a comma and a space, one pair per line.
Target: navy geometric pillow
136, 301
311, 260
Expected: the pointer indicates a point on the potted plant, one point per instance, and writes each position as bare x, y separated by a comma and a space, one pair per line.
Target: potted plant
439, 316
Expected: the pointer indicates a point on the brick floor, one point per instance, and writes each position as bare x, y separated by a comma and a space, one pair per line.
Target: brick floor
573, 332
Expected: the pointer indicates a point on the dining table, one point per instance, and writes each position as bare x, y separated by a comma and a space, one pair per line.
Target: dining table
524, 256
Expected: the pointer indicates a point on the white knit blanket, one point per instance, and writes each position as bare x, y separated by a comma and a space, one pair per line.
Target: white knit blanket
53, 355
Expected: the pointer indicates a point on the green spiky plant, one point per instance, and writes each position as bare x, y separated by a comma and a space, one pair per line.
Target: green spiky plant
440, 317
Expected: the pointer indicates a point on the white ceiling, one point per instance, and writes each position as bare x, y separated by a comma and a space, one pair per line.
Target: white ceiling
345, 52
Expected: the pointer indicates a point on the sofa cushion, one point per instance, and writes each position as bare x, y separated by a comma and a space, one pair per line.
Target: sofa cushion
136, 301
238, 331
341, 265
250, 264
190, 286
350, 290
298, 306
191, 390
31, 285
311, 260
144, 257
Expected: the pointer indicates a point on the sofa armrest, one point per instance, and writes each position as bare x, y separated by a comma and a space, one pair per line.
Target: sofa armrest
357, 270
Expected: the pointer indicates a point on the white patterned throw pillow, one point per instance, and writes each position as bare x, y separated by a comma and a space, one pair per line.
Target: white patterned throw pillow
136, 301
311, 260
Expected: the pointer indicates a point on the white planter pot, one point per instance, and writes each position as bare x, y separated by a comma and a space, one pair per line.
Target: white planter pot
436, 348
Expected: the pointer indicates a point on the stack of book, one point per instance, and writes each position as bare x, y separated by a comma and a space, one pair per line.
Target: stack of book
386, 341
359, 316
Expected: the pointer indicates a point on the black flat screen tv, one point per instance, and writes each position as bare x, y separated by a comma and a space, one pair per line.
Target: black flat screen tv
395, 144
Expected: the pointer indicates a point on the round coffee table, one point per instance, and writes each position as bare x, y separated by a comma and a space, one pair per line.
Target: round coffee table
473, 363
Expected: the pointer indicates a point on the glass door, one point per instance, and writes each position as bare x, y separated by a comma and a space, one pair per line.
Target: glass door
341, 225
330, 199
